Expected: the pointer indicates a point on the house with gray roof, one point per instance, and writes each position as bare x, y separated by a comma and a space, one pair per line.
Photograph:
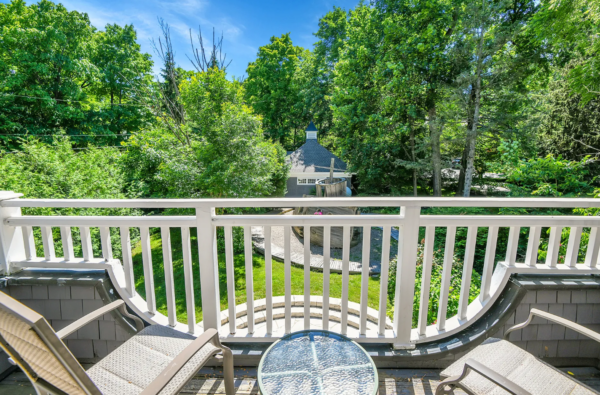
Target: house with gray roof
310, 163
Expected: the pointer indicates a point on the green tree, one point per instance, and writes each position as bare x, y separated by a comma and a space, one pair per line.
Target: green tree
417, 42
227, 154
571, 31
316, 72
565, 125
272, 92
59, 73
45, 66
489, 32
362, 135
123, 72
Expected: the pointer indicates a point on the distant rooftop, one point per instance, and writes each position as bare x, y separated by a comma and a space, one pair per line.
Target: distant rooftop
312, 157
311, 127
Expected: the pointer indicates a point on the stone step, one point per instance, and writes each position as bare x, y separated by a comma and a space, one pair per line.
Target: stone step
297, 312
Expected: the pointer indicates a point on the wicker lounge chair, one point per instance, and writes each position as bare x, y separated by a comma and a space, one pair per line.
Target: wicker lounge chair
499, 367
157, 360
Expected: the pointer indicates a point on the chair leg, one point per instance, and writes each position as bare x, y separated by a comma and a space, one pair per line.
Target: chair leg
228, 371
447, 386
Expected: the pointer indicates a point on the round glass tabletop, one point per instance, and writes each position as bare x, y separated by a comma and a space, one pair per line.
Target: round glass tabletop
317, 362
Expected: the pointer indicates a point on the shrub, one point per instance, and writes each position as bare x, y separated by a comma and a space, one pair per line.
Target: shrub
56, 171
434, 290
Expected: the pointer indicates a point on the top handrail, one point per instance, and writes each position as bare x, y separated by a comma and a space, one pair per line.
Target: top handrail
308, 202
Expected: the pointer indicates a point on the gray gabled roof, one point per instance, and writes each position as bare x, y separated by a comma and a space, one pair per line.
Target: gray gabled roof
312, 157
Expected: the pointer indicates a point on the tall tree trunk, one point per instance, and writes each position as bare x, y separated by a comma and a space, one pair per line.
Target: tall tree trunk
463, 161
435, 132
472, 133
461, 175
412, 154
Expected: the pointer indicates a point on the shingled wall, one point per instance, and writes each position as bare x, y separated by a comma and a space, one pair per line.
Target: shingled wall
62, 299
552, 342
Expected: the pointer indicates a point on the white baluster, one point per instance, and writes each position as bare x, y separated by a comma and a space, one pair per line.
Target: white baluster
148, 271
405, 276
345, 277
249, 278
29, 242
306, 277
573, 246
127, 261
287, 262
364, 286
591, 255
553, 246
426, 279
465, 286
533, 244
268, 279
209, 267
86, 243
488, 265
230, 270
67, 243
106, 244
513, 244
384, 278
326, 274
446, 277
48, 242
165, 235
189, 279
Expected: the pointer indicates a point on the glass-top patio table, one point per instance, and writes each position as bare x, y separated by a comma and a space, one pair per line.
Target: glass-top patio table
317, 362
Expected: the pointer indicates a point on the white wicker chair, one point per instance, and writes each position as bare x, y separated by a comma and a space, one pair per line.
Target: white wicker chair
156, 360
499, 367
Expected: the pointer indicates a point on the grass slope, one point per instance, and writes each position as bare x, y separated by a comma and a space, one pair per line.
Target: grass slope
316, 278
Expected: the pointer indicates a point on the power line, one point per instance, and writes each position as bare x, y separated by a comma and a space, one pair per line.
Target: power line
72, 101
74, 149
67, 135
108, 146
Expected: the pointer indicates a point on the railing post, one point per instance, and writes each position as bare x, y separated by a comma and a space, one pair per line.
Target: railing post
209, 267
408, 239
11, 237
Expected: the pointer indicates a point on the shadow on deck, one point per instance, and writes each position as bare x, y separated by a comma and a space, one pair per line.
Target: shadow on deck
391, 381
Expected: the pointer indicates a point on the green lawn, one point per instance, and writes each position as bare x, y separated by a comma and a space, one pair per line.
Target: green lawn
316, 278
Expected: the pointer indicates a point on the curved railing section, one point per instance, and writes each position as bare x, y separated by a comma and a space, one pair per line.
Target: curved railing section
18, 250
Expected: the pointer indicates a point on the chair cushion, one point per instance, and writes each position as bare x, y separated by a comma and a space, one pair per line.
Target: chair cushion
518, 366
136, 363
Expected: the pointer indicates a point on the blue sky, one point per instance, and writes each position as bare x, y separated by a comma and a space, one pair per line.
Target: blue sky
246, 24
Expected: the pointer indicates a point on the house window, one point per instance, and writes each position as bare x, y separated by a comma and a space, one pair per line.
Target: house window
307, 181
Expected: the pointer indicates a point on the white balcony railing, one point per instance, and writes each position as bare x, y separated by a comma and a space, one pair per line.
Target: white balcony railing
18, 250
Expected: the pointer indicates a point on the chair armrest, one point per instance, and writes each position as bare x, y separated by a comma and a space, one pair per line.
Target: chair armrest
486, 372
181, 359
554, 318
96, 314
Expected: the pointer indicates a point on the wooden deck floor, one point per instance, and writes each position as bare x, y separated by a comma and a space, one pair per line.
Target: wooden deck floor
391, 382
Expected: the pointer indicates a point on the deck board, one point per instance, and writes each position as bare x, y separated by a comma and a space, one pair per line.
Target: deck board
391, 382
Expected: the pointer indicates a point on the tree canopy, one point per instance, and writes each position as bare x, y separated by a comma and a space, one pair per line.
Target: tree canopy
401, 90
